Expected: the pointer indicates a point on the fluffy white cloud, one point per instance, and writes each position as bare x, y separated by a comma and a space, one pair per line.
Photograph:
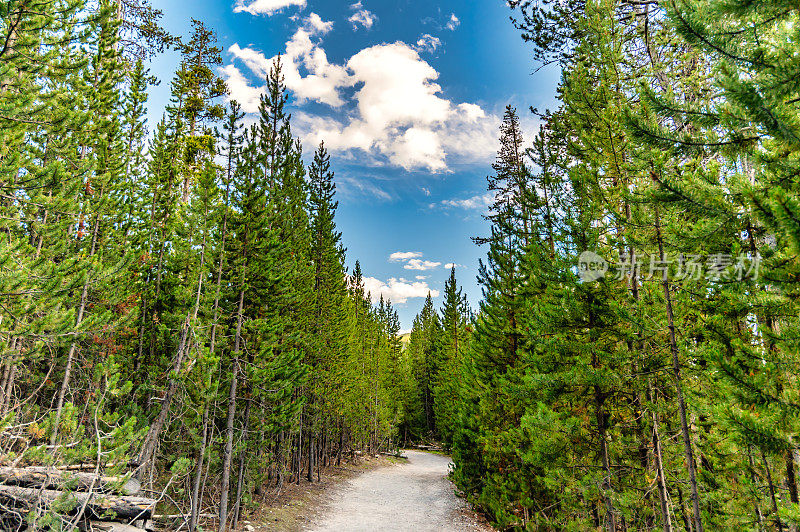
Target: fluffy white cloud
397, 290
401, 116
428, 43
265, 7
453, 23
362, 17
451, 265
404, 255
240, 89
422, 265
421, 277
397, 115
413, 261
481, 201
322, 80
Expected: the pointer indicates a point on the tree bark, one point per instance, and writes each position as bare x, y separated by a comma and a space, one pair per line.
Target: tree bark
676, 369
228, 456
154, 432
96, 504
198, 474
600, 418
52, 478
310, 476
666, 519
771, 485
756, 507
195, 509
242, 466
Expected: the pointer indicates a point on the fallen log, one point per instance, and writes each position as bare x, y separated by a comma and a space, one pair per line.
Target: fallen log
394, 455
107, 526
49, 477
158, 517
87, 466
98, 505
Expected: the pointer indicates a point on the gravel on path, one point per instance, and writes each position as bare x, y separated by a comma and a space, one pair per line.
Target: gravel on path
412, 496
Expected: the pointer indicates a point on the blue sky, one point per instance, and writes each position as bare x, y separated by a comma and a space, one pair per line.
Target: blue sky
407, 95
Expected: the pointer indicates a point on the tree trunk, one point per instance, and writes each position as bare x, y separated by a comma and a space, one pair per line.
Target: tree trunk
771, 485
341, 443
310, 475
791, 480
242, 466
68, 369
300, 449
228, 456
52, 478
97, 505
676, 368
666, 520
756, 507
198, 475
154, 432
600, 417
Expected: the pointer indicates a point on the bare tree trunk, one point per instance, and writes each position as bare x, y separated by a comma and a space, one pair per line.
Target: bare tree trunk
151, 439
756, 507
279, 455
600, 417
310, 476
666, 519
242, 466
228, 456
9, 369
300, 449
341, 443
676, 368
195, 509
771, 486
78, 320
198, 474
9, 388
791, 480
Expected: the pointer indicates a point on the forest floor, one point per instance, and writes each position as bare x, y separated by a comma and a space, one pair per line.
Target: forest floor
375, 494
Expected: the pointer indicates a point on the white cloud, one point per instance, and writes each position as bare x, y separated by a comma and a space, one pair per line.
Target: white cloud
481, 201
401, 116
362, 17
451, 265
240, 90
426, 191
365, 187
422, 265
421, 277
322, 80
266, 7
413, 261
404, 255
397, 290
453, 23
397, 115
316, 22
428, 43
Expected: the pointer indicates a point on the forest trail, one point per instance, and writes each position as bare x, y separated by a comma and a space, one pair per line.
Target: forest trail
412, 496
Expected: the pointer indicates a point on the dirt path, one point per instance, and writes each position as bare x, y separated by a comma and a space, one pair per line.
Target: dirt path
411, 496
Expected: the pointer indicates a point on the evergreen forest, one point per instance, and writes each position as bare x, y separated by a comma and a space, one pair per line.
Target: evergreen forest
178, 309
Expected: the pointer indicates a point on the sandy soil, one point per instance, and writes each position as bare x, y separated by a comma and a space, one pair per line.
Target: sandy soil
412, 496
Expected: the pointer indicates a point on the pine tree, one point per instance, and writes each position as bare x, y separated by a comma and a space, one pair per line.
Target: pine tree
455, 330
